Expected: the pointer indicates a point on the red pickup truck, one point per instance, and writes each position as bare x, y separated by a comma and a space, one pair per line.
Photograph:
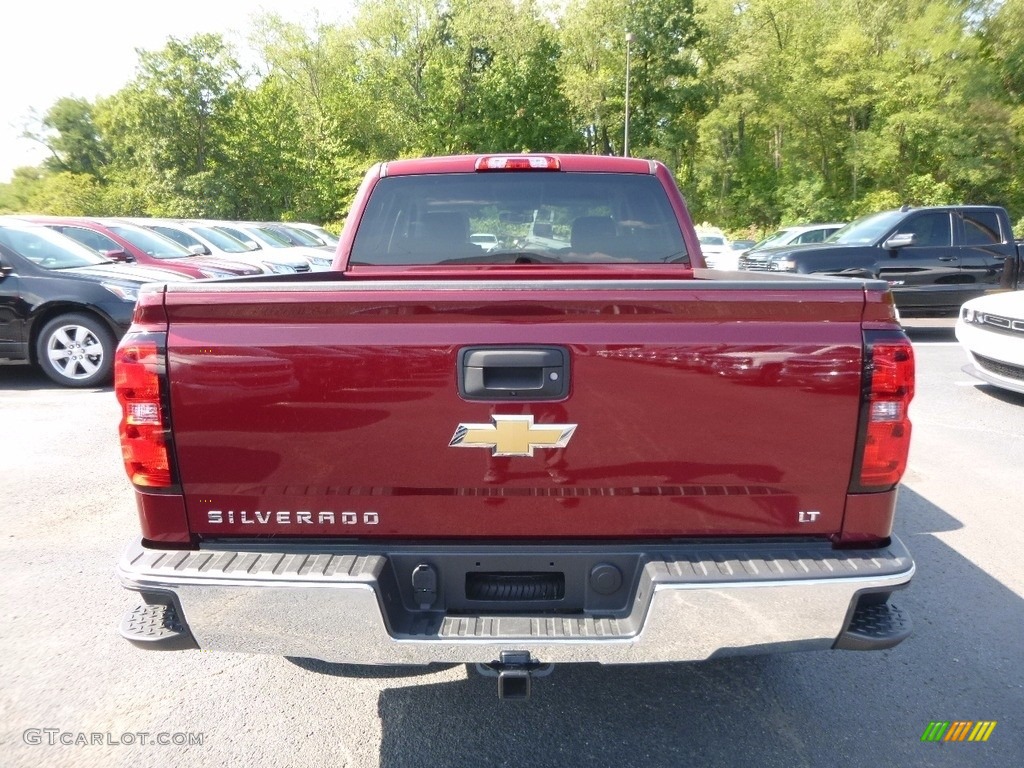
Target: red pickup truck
568, 442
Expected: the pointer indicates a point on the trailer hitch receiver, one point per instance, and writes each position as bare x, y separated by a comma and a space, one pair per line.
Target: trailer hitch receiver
515, 671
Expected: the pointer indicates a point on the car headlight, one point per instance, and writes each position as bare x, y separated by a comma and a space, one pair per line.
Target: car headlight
321, 261
782, 265
968, 315
123, 292
279, 269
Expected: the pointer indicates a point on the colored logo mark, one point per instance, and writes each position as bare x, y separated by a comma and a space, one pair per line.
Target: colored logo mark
958, 730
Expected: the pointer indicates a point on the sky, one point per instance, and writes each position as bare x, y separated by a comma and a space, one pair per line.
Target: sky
86, 48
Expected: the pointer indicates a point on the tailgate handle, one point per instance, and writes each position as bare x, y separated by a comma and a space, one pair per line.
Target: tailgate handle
514, 373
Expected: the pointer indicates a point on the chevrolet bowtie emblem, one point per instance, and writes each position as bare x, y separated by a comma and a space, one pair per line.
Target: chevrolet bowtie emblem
512, 435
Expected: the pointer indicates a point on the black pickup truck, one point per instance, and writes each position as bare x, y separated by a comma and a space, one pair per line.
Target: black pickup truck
934, 259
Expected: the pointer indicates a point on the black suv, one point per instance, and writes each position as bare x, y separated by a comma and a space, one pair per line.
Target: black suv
934, 258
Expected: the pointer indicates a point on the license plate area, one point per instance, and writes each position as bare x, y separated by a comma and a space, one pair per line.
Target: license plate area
517, 582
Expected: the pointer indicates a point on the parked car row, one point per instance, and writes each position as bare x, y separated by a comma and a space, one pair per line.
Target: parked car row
123, 241
279, 240
68, 286
205, 239
200, 248
721, 253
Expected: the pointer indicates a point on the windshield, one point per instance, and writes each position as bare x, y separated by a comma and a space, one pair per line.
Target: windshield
48, 249
222, 240
295, 236
771, 240
261, 234
181, 237
270, 237
323, 234
157, 246
867, 229
558, 217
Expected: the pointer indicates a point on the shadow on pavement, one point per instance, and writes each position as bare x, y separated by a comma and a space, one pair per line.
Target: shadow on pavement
821, 708
923, 334
17, 377
1003, 395
364, 671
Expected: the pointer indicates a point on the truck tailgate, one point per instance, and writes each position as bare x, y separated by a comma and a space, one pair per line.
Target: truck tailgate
693, 409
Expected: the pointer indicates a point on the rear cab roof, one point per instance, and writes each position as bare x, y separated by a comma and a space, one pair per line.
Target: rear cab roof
467, 164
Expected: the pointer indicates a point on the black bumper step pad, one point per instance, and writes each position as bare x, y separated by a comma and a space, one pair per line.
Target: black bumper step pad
875, 627
156, 628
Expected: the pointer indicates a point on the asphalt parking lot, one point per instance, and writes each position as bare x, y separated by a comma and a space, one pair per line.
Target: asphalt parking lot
67, 511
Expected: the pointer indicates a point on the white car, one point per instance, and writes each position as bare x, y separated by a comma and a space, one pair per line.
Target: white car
799, 235
757, 257
718, 253
485, 240
320, 260
991, 330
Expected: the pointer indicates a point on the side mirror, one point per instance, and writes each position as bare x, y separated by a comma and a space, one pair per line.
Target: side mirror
253, 245
900, 240
199, 250
120, 256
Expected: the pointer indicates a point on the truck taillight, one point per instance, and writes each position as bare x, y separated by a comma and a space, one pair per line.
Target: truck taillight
139, 373
885, 423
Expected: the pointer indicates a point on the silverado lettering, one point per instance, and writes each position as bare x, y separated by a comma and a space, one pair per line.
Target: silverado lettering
741, 438
218, 517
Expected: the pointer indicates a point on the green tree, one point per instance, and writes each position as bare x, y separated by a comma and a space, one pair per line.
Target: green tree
172, 119
69, 132
66, 194
309, 126
821, 106
593, 70
495, 87
1002, 49
394, 40
666, 98
15, 195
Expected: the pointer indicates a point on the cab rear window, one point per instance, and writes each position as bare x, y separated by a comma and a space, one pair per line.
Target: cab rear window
508, 218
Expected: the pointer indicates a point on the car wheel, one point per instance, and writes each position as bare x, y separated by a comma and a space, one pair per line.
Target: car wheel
76, 350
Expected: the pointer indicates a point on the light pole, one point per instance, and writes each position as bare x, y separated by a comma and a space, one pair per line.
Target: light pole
625, 140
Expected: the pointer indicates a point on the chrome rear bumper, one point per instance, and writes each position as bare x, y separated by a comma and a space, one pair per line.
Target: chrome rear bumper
686, 602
